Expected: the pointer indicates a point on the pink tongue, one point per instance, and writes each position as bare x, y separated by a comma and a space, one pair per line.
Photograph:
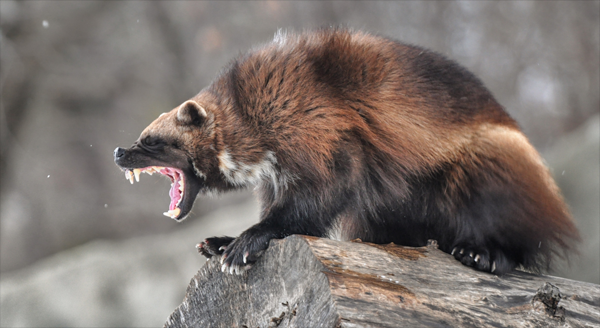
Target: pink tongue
174, 193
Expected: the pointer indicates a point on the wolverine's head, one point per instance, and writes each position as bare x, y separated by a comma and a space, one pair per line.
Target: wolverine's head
180, 145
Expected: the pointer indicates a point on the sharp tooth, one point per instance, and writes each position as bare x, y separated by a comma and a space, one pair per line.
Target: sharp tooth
129, 176
172, 213
137, 172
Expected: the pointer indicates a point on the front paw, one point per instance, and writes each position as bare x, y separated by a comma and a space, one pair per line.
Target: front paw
214, 246
244, 251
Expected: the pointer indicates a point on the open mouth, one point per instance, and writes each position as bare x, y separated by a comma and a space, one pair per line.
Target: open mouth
177, 191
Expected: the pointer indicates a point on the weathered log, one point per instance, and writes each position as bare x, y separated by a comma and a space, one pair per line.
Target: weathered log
310, 282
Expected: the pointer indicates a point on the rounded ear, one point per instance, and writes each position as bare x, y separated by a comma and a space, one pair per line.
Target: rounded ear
191, 113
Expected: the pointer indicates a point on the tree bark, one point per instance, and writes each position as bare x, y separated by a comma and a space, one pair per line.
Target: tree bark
304, 281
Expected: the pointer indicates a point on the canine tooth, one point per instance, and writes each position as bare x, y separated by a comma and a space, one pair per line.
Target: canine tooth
137, 172
172, 213
129, 176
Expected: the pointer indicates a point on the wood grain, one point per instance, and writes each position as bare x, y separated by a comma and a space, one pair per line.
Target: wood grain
310, 282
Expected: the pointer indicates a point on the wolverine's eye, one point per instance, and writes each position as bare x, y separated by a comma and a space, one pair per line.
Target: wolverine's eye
153, 142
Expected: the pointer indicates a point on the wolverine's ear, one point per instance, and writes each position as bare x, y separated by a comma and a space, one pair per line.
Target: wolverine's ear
191, 113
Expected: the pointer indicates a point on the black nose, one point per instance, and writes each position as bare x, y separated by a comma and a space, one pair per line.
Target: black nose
119, 152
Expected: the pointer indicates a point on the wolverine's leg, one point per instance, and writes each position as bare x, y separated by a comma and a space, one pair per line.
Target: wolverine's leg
301, 215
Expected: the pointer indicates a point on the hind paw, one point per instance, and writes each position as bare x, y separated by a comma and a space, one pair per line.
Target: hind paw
492, 260
475, 257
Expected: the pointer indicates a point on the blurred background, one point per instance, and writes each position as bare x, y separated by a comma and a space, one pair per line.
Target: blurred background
81, 247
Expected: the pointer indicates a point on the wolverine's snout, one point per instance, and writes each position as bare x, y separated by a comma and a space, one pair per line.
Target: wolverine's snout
119, 152
126, 159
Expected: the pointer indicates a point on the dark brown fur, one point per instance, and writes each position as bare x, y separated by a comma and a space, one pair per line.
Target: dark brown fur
359, 136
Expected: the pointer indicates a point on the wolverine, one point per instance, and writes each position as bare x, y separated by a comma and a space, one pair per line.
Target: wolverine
347, 135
